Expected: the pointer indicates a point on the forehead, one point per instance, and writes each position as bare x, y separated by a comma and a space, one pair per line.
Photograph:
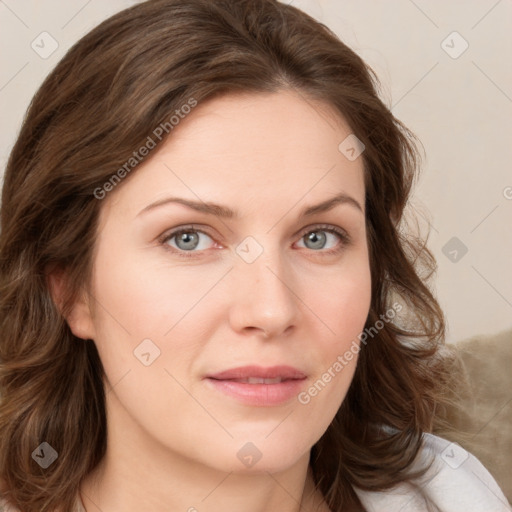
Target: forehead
266, 126
249, 150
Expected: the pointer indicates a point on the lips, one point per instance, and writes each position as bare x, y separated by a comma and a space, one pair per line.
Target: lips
257, 385
260, 375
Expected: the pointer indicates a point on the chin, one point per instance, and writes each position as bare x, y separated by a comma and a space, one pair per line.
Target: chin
260, 454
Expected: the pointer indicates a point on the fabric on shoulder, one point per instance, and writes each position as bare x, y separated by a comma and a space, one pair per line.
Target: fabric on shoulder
456, 482
5, 507
79, 506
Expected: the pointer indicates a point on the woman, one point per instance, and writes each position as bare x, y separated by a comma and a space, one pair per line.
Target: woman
207, 298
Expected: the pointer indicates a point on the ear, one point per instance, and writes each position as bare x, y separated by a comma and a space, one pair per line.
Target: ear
78, 314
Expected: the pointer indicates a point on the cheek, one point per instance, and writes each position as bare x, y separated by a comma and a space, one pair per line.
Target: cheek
343, 307
341, 300
146, 297
141, 317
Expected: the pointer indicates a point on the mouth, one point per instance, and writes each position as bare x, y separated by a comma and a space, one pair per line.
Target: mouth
258, 386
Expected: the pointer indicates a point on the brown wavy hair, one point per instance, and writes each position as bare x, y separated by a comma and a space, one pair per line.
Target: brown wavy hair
100, 103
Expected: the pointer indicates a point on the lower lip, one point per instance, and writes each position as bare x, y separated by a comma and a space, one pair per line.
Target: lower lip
259, 394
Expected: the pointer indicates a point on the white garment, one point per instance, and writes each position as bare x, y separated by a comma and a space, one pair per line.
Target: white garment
456, 482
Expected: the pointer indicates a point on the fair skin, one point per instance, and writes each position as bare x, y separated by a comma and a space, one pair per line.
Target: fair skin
173, 439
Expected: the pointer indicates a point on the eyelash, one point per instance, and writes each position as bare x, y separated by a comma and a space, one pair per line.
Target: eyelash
344, 237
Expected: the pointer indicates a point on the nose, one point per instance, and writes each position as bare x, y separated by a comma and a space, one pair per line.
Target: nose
264, 298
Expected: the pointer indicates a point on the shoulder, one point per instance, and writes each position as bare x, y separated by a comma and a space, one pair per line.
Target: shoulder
456, 481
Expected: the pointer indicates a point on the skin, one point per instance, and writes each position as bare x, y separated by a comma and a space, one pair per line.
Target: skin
173, 440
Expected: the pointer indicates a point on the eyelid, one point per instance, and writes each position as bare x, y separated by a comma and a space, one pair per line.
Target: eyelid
325, 227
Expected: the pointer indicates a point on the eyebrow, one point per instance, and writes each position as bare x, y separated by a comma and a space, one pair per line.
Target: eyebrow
224, 212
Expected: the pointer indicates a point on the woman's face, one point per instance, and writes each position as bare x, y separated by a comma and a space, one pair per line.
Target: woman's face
268, 286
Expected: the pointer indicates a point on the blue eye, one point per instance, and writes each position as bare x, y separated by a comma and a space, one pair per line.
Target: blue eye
186, 239
317, 238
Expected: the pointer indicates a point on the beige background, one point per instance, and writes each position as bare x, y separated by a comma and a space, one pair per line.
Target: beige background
458, 102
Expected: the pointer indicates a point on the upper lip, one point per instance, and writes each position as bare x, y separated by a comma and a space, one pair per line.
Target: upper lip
269, 372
